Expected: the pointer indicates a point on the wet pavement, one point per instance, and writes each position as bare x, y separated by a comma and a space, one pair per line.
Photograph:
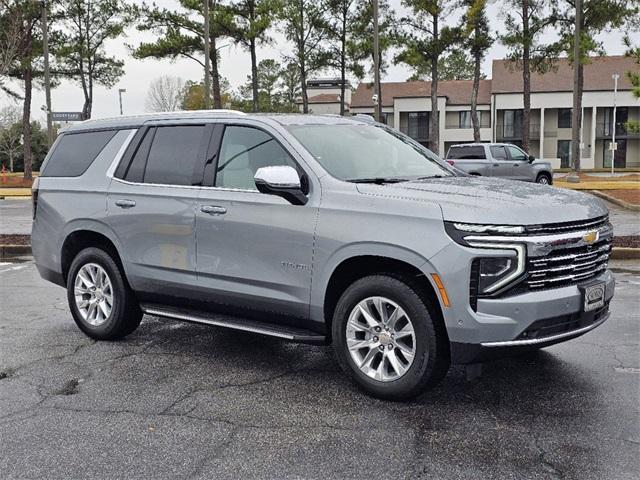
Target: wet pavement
176, 400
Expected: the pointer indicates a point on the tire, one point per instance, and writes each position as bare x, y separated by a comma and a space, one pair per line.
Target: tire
430, 343
104, 320
544, 179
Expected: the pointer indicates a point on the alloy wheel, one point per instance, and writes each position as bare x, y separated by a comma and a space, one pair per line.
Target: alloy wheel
381, 339
93, 294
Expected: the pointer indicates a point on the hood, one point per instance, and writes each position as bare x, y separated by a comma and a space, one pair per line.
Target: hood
494, 200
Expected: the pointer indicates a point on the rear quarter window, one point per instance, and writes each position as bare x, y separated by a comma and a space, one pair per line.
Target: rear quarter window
462, 153
75, 152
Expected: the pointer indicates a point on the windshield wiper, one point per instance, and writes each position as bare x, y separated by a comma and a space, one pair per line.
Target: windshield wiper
378, 180
430, 176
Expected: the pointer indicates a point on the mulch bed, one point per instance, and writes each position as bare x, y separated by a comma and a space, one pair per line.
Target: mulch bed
15, 182
632, 241
629, 196
11, 239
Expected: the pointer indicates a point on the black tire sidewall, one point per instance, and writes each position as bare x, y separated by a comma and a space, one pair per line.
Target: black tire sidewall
421, 370
543, 175
110, 328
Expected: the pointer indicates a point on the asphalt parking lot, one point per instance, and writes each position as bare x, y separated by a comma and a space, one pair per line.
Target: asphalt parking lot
177, 400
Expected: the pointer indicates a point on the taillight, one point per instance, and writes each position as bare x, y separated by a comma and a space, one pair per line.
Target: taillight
34, 195
451, 162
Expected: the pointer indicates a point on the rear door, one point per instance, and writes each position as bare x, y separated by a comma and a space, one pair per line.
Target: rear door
151, 207
254, 250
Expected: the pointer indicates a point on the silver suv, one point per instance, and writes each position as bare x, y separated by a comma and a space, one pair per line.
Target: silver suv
500, 160
315, 229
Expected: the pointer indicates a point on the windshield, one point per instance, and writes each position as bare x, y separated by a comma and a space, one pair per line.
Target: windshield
364, 152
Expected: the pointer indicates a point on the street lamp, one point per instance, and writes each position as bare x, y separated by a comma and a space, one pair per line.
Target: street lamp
120, 92
614, 147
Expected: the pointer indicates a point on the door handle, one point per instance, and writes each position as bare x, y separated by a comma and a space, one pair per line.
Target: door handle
213, 210
124, 203
496, 164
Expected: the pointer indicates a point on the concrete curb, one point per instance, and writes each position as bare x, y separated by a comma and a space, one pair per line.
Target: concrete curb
13, 251
620, 203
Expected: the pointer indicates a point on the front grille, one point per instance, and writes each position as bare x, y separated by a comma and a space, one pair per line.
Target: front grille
554, 228
568, 266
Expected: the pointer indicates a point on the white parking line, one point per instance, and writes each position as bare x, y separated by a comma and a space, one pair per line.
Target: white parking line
16, 267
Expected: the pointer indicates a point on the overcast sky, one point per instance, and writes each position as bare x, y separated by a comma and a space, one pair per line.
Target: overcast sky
235, 65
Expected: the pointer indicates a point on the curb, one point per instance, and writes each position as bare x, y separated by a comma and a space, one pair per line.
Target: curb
12, 251
620, 203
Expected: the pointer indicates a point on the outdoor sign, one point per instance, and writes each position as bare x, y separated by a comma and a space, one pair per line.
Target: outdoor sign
66, 116
613, 146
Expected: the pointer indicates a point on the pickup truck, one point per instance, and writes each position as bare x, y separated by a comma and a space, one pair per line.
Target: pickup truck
499, 160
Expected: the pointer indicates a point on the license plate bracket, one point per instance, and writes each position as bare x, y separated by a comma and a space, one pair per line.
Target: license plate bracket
593, 296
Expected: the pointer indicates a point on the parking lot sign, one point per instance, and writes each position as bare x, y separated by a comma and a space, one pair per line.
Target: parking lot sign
67, 116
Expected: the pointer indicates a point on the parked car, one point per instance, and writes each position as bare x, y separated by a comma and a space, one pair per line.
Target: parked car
500, 160
315, 229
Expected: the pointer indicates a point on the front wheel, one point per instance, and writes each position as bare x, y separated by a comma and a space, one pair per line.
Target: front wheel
102, 304
386, 339
544, 179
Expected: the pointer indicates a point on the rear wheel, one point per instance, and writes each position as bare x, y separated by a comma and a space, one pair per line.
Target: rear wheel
386, 339
100, 299
543, 179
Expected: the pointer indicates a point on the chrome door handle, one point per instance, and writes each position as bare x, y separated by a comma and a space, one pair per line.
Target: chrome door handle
123, 203
213, 210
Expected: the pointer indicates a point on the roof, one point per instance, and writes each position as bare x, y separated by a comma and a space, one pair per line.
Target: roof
323, 98
458, 92
507, 77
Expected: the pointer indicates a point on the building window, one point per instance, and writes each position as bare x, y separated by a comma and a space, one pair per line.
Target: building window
564, 153
564, 118
512, 127
418, 125
620, 156
464, 119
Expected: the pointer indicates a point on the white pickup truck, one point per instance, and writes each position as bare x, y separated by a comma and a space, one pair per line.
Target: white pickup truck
499, 160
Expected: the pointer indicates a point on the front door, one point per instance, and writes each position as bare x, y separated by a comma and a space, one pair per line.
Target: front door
151, 208
254, 250
519, 163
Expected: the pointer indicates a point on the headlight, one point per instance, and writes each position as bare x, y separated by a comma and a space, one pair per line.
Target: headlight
458, 231
491, 270
491, 274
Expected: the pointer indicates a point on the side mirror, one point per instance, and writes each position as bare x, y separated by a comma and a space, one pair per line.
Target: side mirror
281, 180
532, 159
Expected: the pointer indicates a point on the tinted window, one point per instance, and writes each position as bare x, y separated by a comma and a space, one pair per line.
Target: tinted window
135, 172
244, 150
174, 154
516, 153
75, 152
471, 152
499, 153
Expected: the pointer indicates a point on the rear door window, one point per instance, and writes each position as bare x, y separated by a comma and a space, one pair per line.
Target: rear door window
499, 153
464, 152
174, 155
75, 152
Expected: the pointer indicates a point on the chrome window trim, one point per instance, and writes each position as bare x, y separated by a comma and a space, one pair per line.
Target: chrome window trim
116, 160
193, 187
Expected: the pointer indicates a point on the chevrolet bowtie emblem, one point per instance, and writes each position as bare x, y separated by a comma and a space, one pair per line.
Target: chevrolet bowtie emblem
591, 237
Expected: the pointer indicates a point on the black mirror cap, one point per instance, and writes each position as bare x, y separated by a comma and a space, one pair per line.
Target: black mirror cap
295, 196
532, 159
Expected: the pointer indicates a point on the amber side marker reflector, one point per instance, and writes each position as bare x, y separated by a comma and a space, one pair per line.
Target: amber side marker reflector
443, 292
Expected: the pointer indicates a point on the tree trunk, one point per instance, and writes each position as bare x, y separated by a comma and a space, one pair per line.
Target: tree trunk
577, 91
474, 97
343, 61
254, 74
526, 76
434, 133
303, 86
215, 75
26, 123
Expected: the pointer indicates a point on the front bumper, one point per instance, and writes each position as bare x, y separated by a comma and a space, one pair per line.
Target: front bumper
516, 323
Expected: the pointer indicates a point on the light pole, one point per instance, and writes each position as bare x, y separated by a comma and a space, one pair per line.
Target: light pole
614, 147
376, 65
120, 92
